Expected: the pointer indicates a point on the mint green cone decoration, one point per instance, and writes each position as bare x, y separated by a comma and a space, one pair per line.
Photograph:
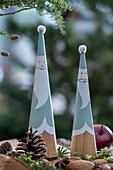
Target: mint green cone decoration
83, 122
83, 112
41, 116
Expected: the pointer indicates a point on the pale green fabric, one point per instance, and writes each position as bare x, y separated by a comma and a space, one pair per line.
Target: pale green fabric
41, 45
83, 115
37, 115
82, 64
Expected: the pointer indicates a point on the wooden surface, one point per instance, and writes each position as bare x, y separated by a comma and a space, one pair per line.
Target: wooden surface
50, 145
9, 163
84, 143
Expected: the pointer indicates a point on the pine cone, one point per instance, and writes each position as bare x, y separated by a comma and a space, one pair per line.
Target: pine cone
32, 145
5, 148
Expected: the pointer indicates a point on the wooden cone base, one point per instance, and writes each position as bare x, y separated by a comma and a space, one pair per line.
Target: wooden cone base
84, 143
50, 145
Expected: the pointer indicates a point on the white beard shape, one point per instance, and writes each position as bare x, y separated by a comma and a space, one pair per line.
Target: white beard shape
83, 87
41, 82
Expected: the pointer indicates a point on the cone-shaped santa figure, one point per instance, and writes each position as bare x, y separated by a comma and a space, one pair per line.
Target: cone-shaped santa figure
83, 138
41, 116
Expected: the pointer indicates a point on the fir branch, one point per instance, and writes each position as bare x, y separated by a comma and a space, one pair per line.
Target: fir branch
56, 15
12, 13
62, 4
53, 7
4, 33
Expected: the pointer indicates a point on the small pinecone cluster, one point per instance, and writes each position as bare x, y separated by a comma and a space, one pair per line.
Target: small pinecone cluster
5, 148
32, 145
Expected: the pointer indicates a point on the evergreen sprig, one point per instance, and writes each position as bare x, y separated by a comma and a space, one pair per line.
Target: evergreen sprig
27, 159
40, 165
104, 153
53, 7
82, 156
62, 151
4, 33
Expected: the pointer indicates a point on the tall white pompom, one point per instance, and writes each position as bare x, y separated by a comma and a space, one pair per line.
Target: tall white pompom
82, 49
41, 28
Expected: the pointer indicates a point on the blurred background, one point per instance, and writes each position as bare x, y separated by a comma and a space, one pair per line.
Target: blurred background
89, 23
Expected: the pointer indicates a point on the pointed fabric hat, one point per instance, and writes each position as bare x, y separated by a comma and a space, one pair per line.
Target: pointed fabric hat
41, 116
83, 122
